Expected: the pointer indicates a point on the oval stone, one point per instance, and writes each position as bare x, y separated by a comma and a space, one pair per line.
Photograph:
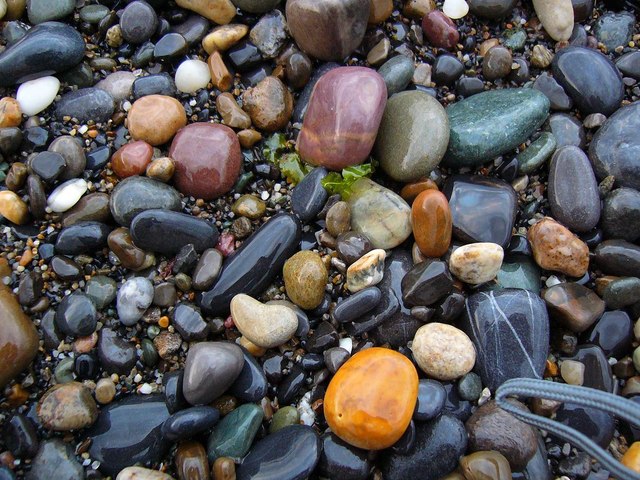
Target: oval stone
136, 194
432, 223
590, 78
442, 351
155, 119
68, 406
491, 8
207, 160
370, 400
305, 277
491, 123
266, 326
573, 190
621, 214
615, 147
328, 29
343, 117
131, 159
476, 263
556, 248
413, 136
82, 237
86, 104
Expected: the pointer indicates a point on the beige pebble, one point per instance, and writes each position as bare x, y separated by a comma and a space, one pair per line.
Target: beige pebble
105, 391
249, 137
218, 11
556, 248
140, 473
476, 263
267, 326
65, 407
232, 115
572, 372
366, 271
224, 37
443, 351
556, 17
161, 169
13, 208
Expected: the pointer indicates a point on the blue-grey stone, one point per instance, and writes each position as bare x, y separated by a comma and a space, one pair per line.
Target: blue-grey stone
86, 104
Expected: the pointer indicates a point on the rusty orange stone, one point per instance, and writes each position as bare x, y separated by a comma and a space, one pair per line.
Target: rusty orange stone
370, 400
432, 223
411, 190
131, 159
631, 458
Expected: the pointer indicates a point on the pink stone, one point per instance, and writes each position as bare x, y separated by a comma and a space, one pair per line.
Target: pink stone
207, 159
343, 117
440, 30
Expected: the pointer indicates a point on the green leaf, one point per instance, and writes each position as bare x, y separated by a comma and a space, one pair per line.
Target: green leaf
351, 174
334, 183
293, 168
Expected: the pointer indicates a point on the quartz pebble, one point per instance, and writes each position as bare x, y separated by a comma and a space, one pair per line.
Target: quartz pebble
367, 271
35, 96
141, 473
476, 263
267, 326
66, 195
192, 75
134, 297
443, 352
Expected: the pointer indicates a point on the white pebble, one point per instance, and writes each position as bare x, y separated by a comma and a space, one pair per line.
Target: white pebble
455, 9
192, 75
346, 343
145, 389
36, 95
66, 195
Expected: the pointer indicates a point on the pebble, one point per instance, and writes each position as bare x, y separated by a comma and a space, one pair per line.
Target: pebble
135, 195
18, 338
491, 8
338, 218
631, 457
556, 17
219, 363
337, 134
621, 292
269, 104
161, 169
155, 119
207, 160
74, 156
251, 384
10, 111
207, 269
141, 473
629, 64
58, 47
352, 246
118, 84
192, 75
613, 333
309, 196
270, 34
116, 354
446, 70
328, 30
76, 315
413, 136
556, 248
440, 30
189, 422
379, 214
130, 256
339, 459
55, 459
492, 429
66, 407
575, 306
497, 63
614, 29
366, 272
155, 84
537, 153
305, 277
48, 165
224, 37
476, 263
510, 331
191, 460
492, 123
397, 72
267, 326
492, 464
572, 372
105, 391
442, 351
218, 11
357, 404
352, 307
40, 11
432, 223
35, 96
455, 9
82, 237
131, 159
13, 208
133, 299
86, 104
590, 79
189, 322
426, 283
232, 115
234, 435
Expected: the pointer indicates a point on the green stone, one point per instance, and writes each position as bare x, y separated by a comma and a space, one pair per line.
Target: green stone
93, 13
233, 436
45, 10
491, 123
470, 387
64, 370
538, 152
413, 136
524, 274
621, 292
149, 353
515, 39
283, 418
101, 290
81, 75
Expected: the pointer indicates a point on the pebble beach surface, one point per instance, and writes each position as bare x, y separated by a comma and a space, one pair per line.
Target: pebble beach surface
289, 239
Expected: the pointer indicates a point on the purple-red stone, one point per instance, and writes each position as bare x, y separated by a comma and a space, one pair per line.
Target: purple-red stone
343, 118
207, 159
440, 30
131, 159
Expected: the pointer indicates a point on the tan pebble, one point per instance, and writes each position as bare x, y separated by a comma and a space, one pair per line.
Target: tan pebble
249, 137
10, 114
305, 278
218, 11
114, 36
366, 271
379, 11
161, 169
249, 206
85, 344
556, 17
541, 56
417, 9
156, 119
572, 372
105, 391
167, 344
251, 347
487, 45
338, 219
267, 326
269, 104
422, 75
232, 115
443, 351
476, 263
66, 407
556, 248
140, 473
13, 208
224, 37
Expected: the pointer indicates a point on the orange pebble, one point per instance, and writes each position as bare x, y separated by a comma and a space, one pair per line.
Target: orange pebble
411, 190
631, 458
163, 322
432, 223
370, 400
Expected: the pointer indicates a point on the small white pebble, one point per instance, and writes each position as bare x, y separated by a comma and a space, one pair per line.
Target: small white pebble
145, 389
484, 397
66, 195
346, 343
264, 195
137, 378
36, 95
552, 280
192, 75
455, 9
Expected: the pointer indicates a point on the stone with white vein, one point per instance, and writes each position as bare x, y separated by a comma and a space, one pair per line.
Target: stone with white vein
36, 95
192, 75
67, 195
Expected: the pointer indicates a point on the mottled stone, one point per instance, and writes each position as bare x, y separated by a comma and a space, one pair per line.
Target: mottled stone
156, 119
575, 306
556, 248
615, 29
234, 434
86, 104
413, 136
269, 104
207, 159
338, 133
366, 271
370, 400
133, 299
443, 351
305, 277
65, 407
537, 153
131, 159
492, 123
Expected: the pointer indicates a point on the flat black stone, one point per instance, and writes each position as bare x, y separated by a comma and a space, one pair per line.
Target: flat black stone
621, 215
46, 49
129, 432
173, 395
613, 333
597, 371
189, 322
193, 29
82, 237
116, 354
76, 315
65, 268
567, 130
291, 453
169, 46
356, 305
618, 257
48, 165
138, 22
291, 385
251, 385
309, 196
254, 265
98, 158
446, 70
167, 232
157, 84
244, 56
595, 424
431, 400
426, 283
629, 64
189, 422
134, 195
554, 92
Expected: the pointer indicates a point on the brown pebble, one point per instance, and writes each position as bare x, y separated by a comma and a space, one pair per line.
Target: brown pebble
224, 37
220, 76
248, 138
269, 104
167, 344
224, 469
232, 115
556, 248
156, 119
13, 208
338, 219
161, 169
10, 114
16, 176
131, 159
105, 391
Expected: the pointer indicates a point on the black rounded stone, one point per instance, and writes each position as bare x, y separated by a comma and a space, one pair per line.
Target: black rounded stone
76, 315
138, 22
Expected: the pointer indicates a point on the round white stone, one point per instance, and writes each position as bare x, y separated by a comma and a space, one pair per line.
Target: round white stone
192, 75
36, 95
476, 263
66, 195
455, 9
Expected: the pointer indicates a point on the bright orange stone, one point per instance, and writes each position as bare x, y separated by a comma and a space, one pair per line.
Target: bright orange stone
432, 223
411, 190
631, 458
370, 400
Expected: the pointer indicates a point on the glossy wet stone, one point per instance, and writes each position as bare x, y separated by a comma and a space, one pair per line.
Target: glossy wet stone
265, 325
305, 277
336, 134
254, 265
546, 237
210, 369
51, 47
426, 283
397, 73
438, 445
157, 84
567, 130
207, 160
599, 426
613, 333
590, 78
166, 232
524, 274
116, 354
137, 194
189, 322
339, 459
76, 315
86, 104
493, 217
328, 30
442, 351
55, 458
309, 196
92, 207
355, 405
413, 136
129, 255
431, 399
189, 422
614, 148
20, 436
614, 29
510, 330
440, 30
629, 64
576, 307
66, 407
133, 298
554, 92
132, 425
234, 434
251, 383
156, 119
357, 305
537, 153
131, 159
491, 8
621, 214
492, 123
618, 257
621, 292
82, 237
191, 460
